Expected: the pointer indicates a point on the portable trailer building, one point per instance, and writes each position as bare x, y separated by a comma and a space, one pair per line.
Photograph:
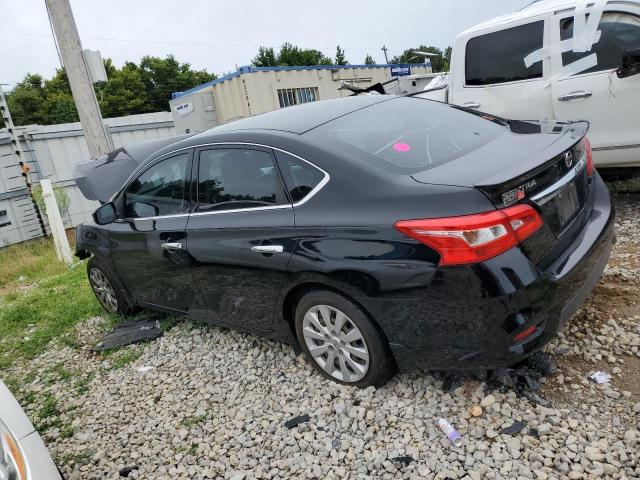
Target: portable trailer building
254, 90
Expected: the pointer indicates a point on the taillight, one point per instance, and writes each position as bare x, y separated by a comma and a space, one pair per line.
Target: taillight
589, 153
584, 148
474, 238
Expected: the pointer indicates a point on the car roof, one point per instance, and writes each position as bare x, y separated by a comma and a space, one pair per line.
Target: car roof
534, 9
301, 118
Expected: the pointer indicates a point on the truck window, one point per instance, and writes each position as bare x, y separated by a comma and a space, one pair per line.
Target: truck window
498, 57
620, 33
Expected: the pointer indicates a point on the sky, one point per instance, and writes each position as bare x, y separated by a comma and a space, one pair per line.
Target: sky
219, 35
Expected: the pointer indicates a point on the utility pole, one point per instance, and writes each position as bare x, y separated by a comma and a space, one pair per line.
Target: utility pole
68, 40
384, 49
23, 164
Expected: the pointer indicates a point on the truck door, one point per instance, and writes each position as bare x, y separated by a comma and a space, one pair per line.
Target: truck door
609, 103
489, 72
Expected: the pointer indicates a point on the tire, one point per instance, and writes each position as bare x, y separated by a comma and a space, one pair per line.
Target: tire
356, 354
108, 289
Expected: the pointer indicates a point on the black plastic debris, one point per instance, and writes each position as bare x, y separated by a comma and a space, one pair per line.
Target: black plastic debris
533, 432
404, 459
124, 472
294, 422
516, 427
541, 362
133, 330
523, 378
451, 382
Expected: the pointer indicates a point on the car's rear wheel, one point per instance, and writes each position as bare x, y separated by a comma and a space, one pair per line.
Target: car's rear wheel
340, 340
107, 289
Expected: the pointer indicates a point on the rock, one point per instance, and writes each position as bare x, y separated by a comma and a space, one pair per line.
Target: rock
475, 410
488, 401
593, 454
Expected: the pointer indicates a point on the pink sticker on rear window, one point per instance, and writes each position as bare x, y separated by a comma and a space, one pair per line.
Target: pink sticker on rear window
401, 147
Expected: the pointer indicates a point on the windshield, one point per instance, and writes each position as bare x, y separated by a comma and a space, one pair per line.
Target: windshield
412, 134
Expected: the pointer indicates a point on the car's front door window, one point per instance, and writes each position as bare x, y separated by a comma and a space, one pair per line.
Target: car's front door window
237, 178
159, 190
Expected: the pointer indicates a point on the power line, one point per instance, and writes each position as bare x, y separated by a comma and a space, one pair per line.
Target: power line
167, 42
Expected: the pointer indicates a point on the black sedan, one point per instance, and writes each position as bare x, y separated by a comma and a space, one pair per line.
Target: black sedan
373, 233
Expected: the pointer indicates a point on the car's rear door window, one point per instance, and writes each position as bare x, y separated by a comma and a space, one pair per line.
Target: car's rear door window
409, 134
300, 176
237, 178
498, 57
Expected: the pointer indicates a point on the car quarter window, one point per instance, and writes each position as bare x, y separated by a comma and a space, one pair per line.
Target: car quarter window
159, 190
301, 177
237, 178
498, 57
620, 33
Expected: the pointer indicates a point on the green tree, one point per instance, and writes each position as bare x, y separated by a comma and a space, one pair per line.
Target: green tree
124, 93
368, 60
289, 56
25, 100
266, 58
58, 106
447, 59
437, 62
340, 58
131, 89
163, 76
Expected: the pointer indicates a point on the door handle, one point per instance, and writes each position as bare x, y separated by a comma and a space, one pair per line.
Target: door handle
267, 249
575, 95
171, 246
472, 105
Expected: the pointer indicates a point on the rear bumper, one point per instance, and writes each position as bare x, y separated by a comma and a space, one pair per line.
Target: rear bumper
468, 317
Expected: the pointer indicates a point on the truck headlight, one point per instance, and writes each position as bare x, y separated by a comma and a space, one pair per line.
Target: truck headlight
12, 464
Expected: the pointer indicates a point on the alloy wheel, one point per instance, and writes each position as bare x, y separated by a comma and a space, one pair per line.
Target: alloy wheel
103, 290
335, 343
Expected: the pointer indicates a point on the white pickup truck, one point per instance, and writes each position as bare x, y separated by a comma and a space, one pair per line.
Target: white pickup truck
556, 59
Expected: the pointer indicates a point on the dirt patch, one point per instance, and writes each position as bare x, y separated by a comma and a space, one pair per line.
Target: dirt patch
571, 384
616, 295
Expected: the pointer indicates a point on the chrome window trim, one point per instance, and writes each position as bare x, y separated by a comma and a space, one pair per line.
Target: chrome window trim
308, 197
548, 193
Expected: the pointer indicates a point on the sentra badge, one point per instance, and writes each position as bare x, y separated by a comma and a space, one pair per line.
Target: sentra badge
518, 193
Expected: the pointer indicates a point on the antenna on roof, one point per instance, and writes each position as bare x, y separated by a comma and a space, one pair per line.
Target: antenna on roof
424, 54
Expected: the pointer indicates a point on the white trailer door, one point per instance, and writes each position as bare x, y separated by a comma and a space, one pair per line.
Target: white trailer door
489, 73
609, 103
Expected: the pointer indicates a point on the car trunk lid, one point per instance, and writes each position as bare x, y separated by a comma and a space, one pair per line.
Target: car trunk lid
539, 163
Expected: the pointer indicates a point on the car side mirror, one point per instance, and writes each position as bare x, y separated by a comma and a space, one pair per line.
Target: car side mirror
630, 64
105, 215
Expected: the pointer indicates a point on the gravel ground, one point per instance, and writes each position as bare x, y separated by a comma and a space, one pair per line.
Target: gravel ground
204, 402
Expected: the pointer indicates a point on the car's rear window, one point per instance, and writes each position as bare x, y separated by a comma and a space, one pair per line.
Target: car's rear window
410, 134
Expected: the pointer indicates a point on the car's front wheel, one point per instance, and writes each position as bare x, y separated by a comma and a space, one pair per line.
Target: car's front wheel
108, 289
340, 340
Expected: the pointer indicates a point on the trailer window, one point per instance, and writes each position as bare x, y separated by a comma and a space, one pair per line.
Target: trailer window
498, 57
